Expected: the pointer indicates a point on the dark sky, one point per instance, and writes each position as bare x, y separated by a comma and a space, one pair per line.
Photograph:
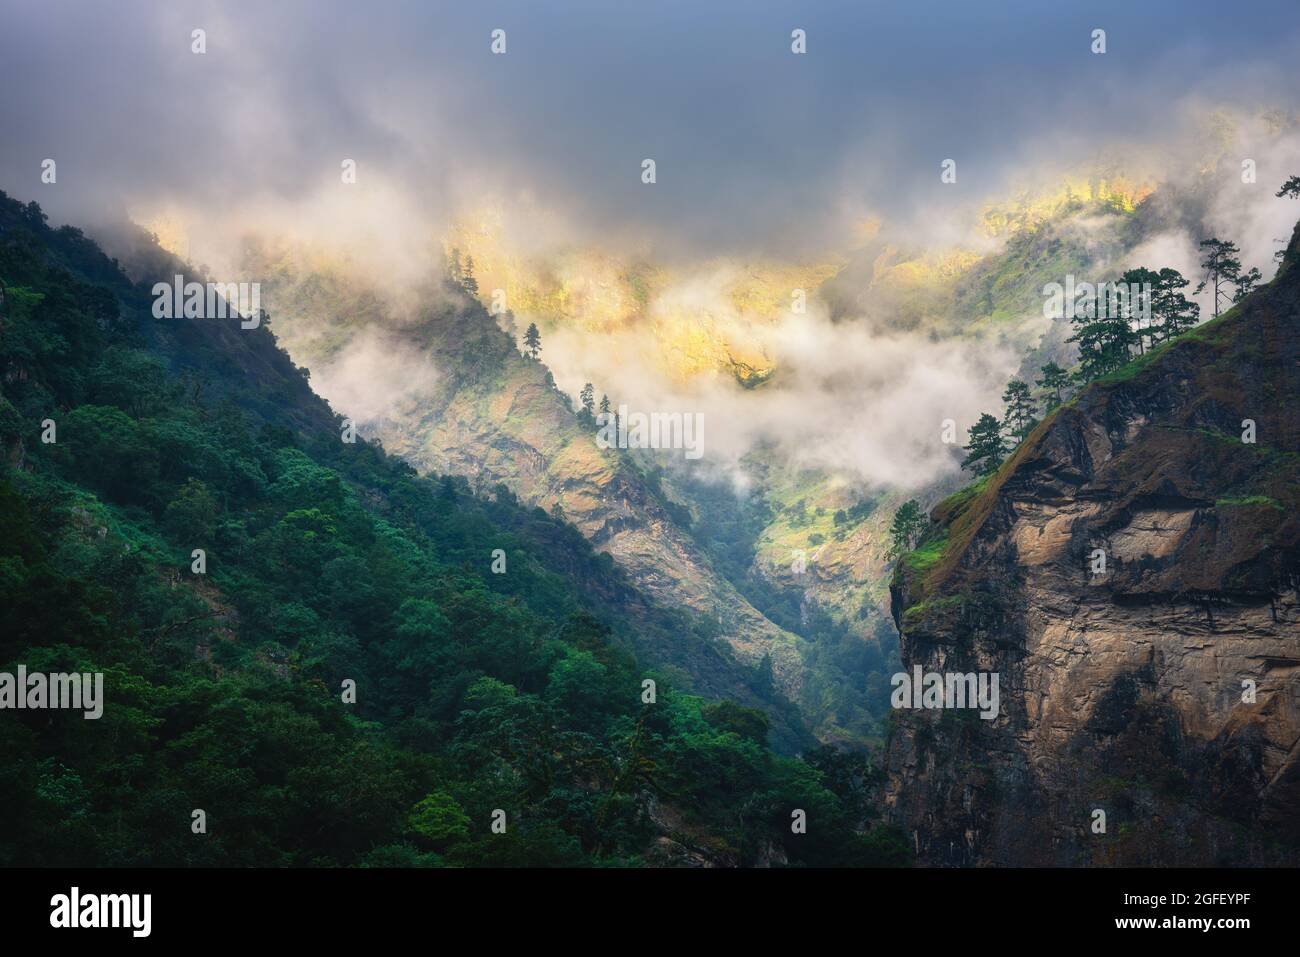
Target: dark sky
754, 145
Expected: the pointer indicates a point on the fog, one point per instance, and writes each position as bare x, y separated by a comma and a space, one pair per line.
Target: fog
761, 154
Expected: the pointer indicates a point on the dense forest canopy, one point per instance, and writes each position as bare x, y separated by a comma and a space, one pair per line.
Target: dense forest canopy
479, 697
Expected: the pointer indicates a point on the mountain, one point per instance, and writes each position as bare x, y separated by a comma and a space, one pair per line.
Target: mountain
1161, 691
495, 417
308, 656
794, 572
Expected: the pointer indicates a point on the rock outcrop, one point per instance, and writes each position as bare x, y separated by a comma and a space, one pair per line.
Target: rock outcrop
1161, 689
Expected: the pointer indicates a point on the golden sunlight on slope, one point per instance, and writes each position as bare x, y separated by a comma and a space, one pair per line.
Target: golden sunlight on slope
170, 232
702, 321
1031, 207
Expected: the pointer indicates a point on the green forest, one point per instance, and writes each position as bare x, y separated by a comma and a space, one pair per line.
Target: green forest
179, 511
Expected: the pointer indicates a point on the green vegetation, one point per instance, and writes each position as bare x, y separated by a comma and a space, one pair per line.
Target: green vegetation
929, 554
986, 448
915, 613
1249, 500
326, 562
908, 526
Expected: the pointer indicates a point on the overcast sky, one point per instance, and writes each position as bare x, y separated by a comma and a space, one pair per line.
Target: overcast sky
754, 145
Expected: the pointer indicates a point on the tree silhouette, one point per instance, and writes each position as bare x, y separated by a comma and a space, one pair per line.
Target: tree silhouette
587, 398
1221, 265
986, 448
1104, 342
1054, 381
1137, 305
469, 282
532, 340
1172, 313
1246, 284
1020, 410
1291, 188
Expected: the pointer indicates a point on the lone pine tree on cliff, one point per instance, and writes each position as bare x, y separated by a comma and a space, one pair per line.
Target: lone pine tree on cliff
532, 341
1221, 265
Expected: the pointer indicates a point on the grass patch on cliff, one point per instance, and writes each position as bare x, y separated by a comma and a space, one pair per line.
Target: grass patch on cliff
927, 555
1249, 500
917, 612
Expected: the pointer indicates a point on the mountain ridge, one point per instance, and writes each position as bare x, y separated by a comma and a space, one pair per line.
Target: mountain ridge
1123, 692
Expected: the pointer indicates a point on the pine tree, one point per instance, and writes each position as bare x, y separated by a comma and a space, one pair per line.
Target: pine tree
604, 403
1104, 344
1053, 383
532, 340
587, 398
986, 448
469, 282
1019, 417
1222, 267
908, 526
1136, 306
1172, 313
1246, 284
1291, 188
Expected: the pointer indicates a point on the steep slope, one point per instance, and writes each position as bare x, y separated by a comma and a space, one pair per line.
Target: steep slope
326, 564
495, 417
1125, 692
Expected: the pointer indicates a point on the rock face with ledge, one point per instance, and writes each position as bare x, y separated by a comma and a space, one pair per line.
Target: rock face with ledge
1164, 691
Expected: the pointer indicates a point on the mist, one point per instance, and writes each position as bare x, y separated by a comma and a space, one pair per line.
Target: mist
761, 154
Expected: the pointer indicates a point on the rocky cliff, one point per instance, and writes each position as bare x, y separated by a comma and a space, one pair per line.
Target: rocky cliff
1160, 688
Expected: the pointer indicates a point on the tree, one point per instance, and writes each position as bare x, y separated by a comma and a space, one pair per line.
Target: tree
1141, 283
587, 413
532, 340
908, 526
439, 820
1172, 313
604, 403
469, 282
1291, 188
986, 448
1020, 411
1054, 381
1221, 265
1104, 342
1246, 284
748, 723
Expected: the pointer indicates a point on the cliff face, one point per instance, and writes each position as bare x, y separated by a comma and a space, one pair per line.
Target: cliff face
1127, 690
